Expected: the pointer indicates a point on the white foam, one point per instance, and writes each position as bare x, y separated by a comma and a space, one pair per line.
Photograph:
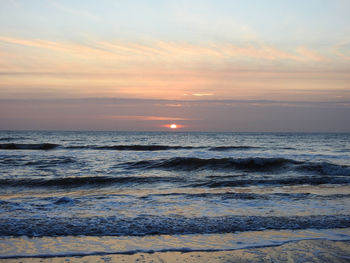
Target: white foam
86, 245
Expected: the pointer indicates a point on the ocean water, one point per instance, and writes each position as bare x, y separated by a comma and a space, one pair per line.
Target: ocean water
81, 193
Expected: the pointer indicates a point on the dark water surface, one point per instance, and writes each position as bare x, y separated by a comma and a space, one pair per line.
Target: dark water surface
183, 186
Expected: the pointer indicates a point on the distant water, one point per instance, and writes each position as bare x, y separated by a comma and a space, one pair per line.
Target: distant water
132, 185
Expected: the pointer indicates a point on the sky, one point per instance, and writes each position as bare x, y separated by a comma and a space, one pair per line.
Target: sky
208, 65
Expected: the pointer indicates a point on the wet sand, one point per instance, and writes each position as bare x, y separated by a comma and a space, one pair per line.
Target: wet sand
301, 251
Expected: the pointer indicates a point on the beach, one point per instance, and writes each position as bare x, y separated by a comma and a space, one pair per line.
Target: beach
301, 251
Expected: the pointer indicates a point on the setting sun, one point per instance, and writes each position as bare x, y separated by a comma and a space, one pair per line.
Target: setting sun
173, 126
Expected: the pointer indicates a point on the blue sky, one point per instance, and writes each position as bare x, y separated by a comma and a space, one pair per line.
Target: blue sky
317, 22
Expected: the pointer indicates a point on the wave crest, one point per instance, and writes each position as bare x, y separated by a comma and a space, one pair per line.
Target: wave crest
84, 181
230, 148
158, 225
251, 164
192, 163
28, 146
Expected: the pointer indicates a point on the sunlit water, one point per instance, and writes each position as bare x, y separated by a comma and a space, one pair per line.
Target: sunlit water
175, 191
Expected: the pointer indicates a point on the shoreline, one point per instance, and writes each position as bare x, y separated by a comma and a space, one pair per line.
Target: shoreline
312, 250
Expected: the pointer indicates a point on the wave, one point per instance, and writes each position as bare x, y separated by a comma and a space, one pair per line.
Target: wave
300, 180
50, 146
325, 168
192, 163
64, 200
145, 225
182, 244
103, 181
85, 181
250, 164
159, 147
12, 138
142, 147
50, 162
230, 148
251, 196
30, 146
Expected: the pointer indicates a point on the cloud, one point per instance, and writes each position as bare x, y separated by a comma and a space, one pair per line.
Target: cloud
162, 69
172, 105
133, 49
67, 48
145, 118
202, 94
312, 55
162, 51
264, 52
166, 103
131, 114
342, 50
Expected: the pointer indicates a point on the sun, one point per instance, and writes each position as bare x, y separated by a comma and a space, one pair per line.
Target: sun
173, 126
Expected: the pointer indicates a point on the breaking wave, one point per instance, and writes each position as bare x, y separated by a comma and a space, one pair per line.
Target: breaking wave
230, 148
134, 147
191, 163
251, 196
84, 181
28, 146
299, 180
50, 146
245, 164
145, 225
187, 182
12, 138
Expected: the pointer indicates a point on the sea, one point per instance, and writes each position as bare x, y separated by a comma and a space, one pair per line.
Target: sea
76, 193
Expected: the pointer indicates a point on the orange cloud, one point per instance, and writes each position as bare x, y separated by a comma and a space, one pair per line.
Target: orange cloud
172, 105
202, 94
160, 69
146, 118
309, 54
342, 50
256, 52
162, 51
72, 49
